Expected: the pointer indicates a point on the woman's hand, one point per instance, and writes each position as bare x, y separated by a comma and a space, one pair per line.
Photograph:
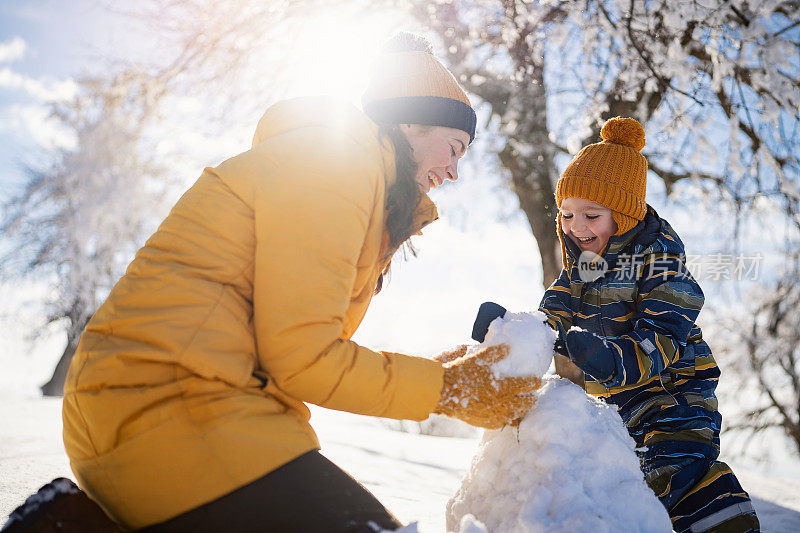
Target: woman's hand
473, 393
451, 355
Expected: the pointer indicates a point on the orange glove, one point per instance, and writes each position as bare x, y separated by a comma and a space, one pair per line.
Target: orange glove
450, 355
473, 394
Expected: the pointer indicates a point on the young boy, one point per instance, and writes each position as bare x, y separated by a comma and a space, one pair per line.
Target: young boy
625, 307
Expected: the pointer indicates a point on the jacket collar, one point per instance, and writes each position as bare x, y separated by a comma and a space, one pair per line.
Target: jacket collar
305, 111
616, 243
425, 214
651, 234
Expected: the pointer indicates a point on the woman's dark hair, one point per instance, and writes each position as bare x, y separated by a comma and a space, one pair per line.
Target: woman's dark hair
402, 198
404, 195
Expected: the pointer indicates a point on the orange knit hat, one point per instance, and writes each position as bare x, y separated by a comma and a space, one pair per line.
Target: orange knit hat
612, 173
409, 85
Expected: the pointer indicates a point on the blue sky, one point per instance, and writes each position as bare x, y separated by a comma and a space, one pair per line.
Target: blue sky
57, 34
46, 43
43, 44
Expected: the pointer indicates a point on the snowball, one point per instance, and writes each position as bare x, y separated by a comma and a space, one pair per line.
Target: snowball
530, 340
569, 466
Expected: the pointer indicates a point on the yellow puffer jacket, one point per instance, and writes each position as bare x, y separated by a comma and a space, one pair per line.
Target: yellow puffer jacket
260, 274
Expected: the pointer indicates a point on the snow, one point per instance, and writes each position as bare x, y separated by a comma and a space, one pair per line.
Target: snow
530, 341
570, 466
413, 475
31, 451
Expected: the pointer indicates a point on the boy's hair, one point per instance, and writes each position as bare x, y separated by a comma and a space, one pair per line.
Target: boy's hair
612, 173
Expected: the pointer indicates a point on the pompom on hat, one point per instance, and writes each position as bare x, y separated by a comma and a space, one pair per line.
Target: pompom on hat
409, 85
612, 173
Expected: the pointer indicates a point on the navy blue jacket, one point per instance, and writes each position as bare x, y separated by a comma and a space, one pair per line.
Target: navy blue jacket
645, 307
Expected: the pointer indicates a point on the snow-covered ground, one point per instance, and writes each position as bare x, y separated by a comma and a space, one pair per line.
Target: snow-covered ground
413, 475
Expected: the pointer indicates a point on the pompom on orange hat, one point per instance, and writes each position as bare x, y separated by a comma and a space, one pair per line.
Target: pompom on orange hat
612, 173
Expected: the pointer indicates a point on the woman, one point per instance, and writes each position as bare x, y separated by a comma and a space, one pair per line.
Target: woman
184, 405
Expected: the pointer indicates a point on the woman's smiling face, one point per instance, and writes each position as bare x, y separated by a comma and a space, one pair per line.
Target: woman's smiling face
437, 150
588, 224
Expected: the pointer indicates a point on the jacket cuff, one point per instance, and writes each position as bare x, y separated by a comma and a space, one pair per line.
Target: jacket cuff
420, 382
603, 375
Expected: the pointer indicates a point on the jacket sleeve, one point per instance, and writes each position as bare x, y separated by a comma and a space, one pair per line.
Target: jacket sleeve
555, 305
311, 218
668, 304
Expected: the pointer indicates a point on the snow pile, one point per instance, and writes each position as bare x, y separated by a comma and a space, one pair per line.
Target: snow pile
530, 340
468, 524
570, 466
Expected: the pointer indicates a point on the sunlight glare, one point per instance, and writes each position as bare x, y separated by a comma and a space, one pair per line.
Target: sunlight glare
332, 53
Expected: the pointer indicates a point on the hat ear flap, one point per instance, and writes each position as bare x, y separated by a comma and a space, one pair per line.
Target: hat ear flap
561, 240
624, 222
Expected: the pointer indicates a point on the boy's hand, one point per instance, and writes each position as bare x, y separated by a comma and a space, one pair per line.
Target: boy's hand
591, 353
567, 369
564, 367
473, 394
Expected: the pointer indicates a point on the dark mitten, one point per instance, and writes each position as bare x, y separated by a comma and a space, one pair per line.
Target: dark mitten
487, 312
591, 353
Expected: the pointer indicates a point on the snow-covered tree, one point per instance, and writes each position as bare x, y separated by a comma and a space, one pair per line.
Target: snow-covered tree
763, 348
78, 222
717, 85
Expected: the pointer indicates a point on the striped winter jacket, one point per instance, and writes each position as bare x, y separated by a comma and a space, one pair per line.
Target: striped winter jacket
645, 306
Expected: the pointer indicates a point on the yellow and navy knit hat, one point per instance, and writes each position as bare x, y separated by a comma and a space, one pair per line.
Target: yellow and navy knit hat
410, 86
612, 173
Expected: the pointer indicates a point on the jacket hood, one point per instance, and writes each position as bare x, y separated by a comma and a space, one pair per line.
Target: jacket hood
330, 112
340, 117
655, 235
651, 235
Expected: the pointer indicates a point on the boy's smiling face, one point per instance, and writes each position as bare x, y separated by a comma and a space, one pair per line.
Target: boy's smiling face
588, 224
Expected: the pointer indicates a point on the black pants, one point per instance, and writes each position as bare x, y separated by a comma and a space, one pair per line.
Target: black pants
308, 494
